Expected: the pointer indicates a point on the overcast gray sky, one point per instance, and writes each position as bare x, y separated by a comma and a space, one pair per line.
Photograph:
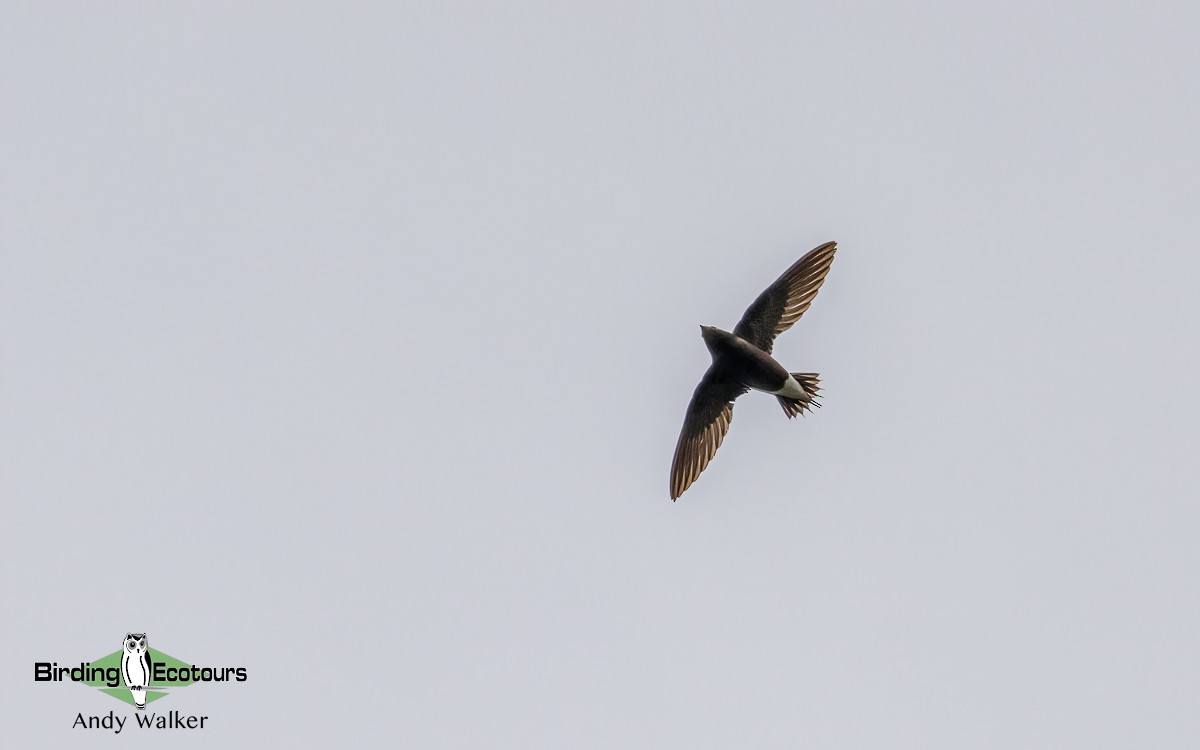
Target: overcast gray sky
349, 343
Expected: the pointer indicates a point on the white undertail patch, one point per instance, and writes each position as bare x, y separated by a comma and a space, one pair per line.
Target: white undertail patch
791, 389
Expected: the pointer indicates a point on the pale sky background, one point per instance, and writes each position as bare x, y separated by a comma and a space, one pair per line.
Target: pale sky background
349, 343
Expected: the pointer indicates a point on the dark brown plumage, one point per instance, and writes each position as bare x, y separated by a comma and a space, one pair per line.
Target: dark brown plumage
742, 361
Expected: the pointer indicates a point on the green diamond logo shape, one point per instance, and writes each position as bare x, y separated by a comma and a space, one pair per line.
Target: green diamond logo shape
156, 687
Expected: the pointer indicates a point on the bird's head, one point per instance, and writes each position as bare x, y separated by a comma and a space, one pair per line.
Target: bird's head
713, 335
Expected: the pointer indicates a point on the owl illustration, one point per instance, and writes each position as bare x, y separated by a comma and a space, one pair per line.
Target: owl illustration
135, 667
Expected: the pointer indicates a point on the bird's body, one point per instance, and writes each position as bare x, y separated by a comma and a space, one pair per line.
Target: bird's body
742, 361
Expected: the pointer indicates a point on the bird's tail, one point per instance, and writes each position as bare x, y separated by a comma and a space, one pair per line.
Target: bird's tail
801, 404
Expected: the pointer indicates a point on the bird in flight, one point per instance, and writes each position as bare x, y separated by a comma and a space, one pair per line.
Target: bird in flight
742, 360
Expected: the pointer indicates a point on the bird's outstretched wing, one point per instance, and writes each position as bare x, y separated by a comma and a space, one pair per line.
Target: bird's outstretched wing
704, 427
785, 301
